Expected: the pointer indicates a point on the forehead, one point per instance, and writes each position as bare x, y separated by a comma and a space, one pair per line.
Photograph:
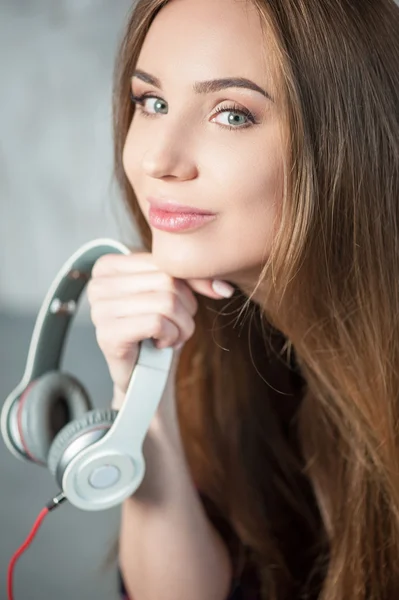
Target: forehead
193, 40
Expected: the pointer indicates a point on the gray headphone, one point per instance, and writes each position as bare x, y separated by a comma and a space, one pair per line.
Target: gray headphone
95, 455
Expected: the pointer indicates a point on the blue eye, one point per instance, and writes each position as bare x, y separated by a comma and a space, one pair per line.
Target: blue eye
158, 106
237, 116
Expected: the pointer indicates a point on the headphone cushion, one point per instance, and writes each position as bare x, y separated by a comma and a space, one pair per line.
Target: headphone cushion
96, 419
41, 417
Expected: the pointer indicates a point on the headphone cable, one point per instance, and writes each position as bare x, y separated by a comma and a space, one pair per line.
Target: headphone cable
54, 503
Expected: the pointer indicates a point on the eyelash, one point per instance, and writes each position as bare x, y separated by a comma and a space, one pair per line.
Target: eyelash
139, 100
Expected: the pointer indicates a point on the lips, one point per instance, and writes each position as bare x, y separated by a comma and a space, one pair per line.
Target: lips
168, 215
171, 206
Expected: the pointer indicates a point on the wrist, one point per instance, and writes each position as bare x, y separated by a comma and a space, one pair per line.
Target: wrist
165, 423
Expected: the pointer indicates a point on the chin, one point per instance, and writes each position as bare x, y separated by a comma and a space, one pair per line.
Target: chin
182, 265
182, 268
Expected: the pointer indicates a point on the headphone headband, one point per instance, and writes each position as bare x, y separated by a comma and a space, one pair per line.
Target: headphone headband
121, 446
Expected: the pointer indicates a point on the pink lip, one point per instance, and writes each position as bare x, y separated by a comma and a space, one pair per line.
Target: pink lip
171, 206
169, 215
177, 221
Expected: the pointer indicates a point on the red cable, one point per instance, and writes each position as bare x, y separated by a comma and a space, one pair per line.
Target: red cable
22, 549
39, 520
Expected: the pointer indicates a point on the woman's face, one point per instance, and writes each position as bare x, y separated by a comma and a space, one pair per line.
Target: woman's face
214, 147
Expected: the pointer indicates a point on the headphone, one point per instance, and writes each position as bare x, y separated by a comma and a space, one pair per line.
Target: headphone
95, 455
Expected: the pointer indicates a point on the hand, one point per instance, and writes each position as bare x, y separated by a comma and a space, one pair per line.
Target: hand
132, 300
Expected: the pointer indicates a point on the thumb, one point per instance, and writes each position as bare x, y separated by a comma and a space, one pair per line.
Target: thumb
213, 288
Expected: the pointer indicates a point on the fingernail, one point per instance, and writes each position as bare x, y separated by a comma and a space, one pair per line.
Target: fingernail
222, 288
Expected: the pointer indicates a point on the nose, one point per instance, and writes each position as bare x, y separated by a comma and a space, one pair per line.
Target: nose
169, 157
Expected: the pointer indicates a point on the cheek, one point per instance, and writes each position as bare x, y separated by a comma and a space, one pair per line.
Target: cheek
250, 166
251, 184
252, 191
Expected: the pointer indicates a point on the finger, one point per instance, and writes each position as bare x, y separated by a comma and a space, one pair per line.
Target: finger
136, 262
167, 304
186, 296
143, 261
126, 285
115, 338
213, 288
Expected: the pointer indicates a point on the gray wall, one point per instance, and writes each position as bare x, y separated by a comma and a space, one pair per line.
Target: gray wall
56, 185
56, 193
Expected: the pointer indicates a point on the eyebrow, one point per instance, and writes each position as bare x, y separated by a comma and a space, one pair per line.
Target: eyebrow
206, 87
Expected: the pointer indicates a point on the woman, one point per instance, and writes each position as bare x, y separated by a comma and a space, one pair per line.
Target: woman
273, 460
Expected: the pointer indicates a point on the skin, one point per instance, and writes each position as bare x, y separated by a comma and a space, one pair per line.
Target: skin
185, 151
180, 148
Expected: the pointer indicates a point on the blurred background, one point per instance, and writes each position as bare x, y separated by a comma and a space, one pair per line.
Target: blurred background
56, 193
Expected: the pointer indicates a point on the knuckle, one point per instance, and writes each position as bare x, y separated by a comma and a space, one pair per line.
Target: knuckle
102, 339
191, 328
91, 290
117, 347
193, 308
121, 351
101, 265
165, 280
171, 303
96, 312
185, 292
93, 314
195, 305
96, 270
158, 325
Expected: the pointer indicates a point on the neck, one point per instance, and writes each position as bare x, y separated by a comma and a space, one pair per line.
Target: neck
246, 282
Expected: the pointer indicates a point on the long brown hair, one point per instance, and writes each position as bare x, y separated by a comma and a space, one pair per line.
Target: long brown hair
289, 410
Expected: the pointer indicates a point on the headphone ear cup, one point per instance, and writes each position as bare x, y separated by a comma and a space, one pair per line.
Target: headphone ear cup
89, 429
54, 400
